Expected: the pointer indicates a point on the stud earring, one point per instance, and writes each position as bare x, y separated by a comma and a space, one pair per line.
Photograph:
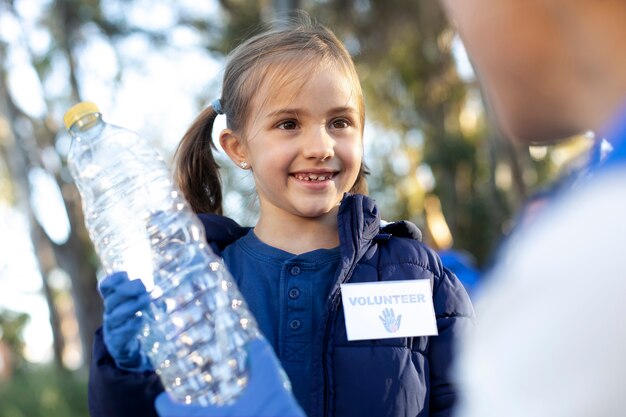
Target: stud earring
243, 164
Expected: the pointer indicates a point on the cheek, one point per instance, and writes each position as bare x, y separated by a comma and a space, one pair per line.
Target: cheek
518, 56
265, 152
353, 157
351, 151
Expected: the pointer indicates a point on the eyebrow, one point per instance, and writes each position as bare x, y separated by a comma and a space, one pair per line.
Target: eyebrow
296, 112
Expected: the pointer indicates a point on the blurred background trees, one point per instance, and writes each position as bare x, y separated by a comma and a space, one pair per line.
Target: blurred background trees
151, 65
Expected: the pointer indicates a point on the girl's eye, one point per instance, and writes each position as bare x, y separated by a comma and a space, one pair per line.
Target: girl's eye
287, 125
340, 123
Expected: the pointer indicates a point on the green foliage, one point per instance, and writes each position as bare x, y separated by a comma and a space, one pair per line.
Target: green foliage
11, 334
243, 18
38, 391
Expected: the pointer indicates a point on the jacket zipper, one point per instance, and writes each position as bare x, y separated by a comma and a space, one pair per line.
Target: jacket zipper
331, 316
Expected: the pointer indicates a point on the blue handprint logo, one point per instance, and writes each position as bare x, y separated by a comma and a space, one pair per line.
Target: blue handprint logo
390, 321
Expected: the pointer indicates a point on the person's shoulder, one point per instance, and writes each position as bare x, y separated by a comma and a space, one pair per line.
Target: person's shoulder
401, 228
404, 256
402, 242
578, 240
220, 230
594, 208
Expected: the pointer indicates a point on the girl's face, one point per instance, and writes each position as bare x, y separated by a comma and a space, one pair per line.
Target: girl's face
304, 144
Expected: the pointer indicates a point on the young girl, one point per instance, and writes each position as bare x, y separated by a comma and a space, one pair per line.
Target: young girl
295, 116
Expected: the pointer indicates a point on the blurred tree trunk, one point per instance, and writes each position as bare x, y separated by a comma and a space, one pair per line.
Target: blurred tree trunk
17, 163
75, 256
285, 8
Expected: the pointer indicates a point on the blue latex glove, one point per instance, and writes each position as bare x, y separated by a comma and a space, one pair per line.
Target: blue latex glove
123, 298
264, 396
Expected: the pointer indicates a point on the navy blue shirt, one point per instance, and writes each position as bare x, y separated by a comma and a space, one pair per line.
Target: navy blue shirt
287, 294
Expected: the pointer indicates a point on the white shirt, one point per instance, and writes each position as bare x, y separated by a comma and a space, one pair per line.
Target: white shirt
551, 333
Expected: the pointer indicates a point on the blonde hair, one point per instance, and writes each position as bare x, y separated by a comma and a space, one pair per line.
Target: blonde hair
268, 57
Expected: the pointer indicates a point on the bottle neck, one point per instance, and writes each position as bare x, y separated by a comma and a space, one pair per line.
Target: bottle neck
89, 122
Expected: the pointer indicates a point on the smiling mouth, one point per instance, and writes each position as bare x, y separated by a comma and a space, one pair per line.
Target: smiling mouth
313, 177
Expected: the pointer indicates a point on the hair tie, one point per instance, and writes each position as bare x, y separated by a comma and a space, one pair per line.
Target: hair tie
217, 106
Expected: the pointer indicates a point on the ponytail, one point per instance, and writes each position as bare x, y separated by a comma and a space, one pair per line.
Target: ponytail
197, 172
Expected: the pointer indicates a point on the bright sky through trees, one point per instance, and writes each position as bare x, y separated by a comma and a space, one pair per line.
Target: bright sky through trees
155, 99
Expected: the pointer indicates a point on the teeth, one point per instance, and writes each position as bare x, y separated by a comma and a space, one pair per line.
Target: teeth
313, 177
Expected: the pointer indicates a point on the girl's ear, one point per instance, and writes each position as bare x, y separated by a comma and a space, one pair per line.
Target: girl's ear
233, 146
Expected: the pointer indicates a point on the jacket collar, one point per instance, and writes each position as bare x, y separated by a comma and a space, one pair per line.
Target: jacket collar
358, 221
358, 224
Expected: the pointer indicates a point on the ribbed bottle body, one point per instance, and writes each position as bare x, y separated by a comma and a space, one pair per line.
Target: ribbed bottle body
198, 324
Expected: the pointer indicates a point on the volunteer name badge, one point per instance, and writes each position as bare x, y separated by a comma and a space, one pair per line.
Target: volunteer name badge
382, 310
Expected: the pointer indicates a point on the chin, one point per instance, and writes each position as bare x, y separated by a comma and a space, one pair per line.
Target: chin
313, 212
537, 124
535, 119
529, 133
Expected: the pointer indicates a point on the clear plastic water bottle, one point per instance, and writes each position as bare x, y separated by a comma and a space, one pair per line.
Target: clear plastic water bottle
198, 323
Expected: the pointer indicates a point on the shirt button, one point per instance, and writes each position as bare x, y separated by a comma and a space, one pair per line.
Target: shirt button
294, 293
295, 270
295, 324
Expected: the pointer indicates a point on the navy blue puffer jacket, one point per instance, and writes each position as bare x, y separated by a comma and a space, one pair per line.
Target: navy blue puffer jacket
389, 377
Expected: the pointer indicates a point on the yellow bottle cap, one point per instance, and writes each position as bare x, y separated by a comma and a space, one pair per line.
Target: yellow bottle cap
77, 111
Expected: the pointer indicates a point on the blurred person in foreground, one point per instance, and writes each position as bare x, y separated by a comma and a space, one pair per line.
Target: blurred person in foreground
551, 331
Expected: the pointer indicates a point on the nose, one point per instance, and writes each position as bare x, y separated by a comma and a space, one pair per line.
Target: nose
319, 145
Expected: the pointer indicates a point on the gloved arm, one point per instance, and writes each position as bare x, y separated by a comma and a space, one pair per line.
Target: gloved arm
123, 298
264, 396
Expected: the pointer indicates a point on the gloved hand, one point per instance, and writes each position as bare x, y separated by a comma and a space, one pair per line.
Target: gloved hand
264, 396
123, 298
